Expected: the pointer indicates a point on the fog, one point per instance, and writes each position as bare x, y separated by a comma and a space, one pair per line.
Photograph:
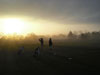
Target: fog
72, 39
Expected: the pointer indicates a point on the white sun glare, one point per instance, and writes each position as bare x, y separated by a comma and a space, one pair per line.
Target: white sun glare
13, 25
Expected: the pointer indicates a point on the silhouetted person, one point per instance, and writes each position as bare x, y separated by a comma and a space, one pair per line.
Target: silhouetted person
50, 43
37, 52
42, 42
21, 50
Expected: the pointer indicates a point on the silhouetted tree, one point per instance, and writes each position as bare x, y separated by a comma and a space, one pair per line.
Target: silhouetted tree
71, 35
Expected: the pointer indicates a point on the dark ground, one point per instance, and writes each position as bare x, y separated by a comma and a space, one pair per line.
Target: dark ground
85, 61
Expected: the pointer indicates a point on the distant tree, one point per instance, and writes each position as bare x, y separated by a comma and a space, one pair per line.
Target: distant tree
95, 35
85, 35
71, 35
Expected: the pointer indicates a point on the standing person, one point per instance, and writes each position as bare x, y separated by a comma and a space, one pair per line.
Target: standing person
50, 43
42, 42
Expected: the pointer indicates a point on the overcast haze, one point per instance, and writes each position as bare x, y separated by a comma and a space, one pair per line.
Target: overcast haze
82, 13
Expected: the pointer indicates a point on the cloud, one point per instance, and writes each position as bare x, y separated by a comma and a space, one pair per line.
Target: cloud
60, 11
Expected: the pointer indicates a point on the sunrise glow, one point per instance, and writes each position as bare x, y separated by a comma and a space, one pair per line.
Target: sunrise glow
13, 25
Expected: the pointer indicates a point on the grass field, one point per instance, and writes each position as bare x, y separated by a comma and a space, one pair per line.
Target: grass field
62, 60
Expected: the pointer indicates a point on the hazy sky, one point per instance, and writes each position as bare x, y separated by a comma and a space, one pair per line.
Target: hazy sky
58, 16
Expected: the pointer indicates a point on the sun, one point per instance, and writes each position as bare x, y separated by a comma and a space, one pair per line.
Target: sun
13, 25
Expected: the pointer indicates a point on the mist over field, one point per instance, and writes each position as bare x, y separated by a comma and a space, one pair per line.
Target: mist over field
72, 39
49, 37
73, 53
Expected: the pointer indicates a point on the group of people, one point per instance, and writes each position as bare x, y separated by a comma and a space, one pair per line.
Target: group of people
42, 42
37, 50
